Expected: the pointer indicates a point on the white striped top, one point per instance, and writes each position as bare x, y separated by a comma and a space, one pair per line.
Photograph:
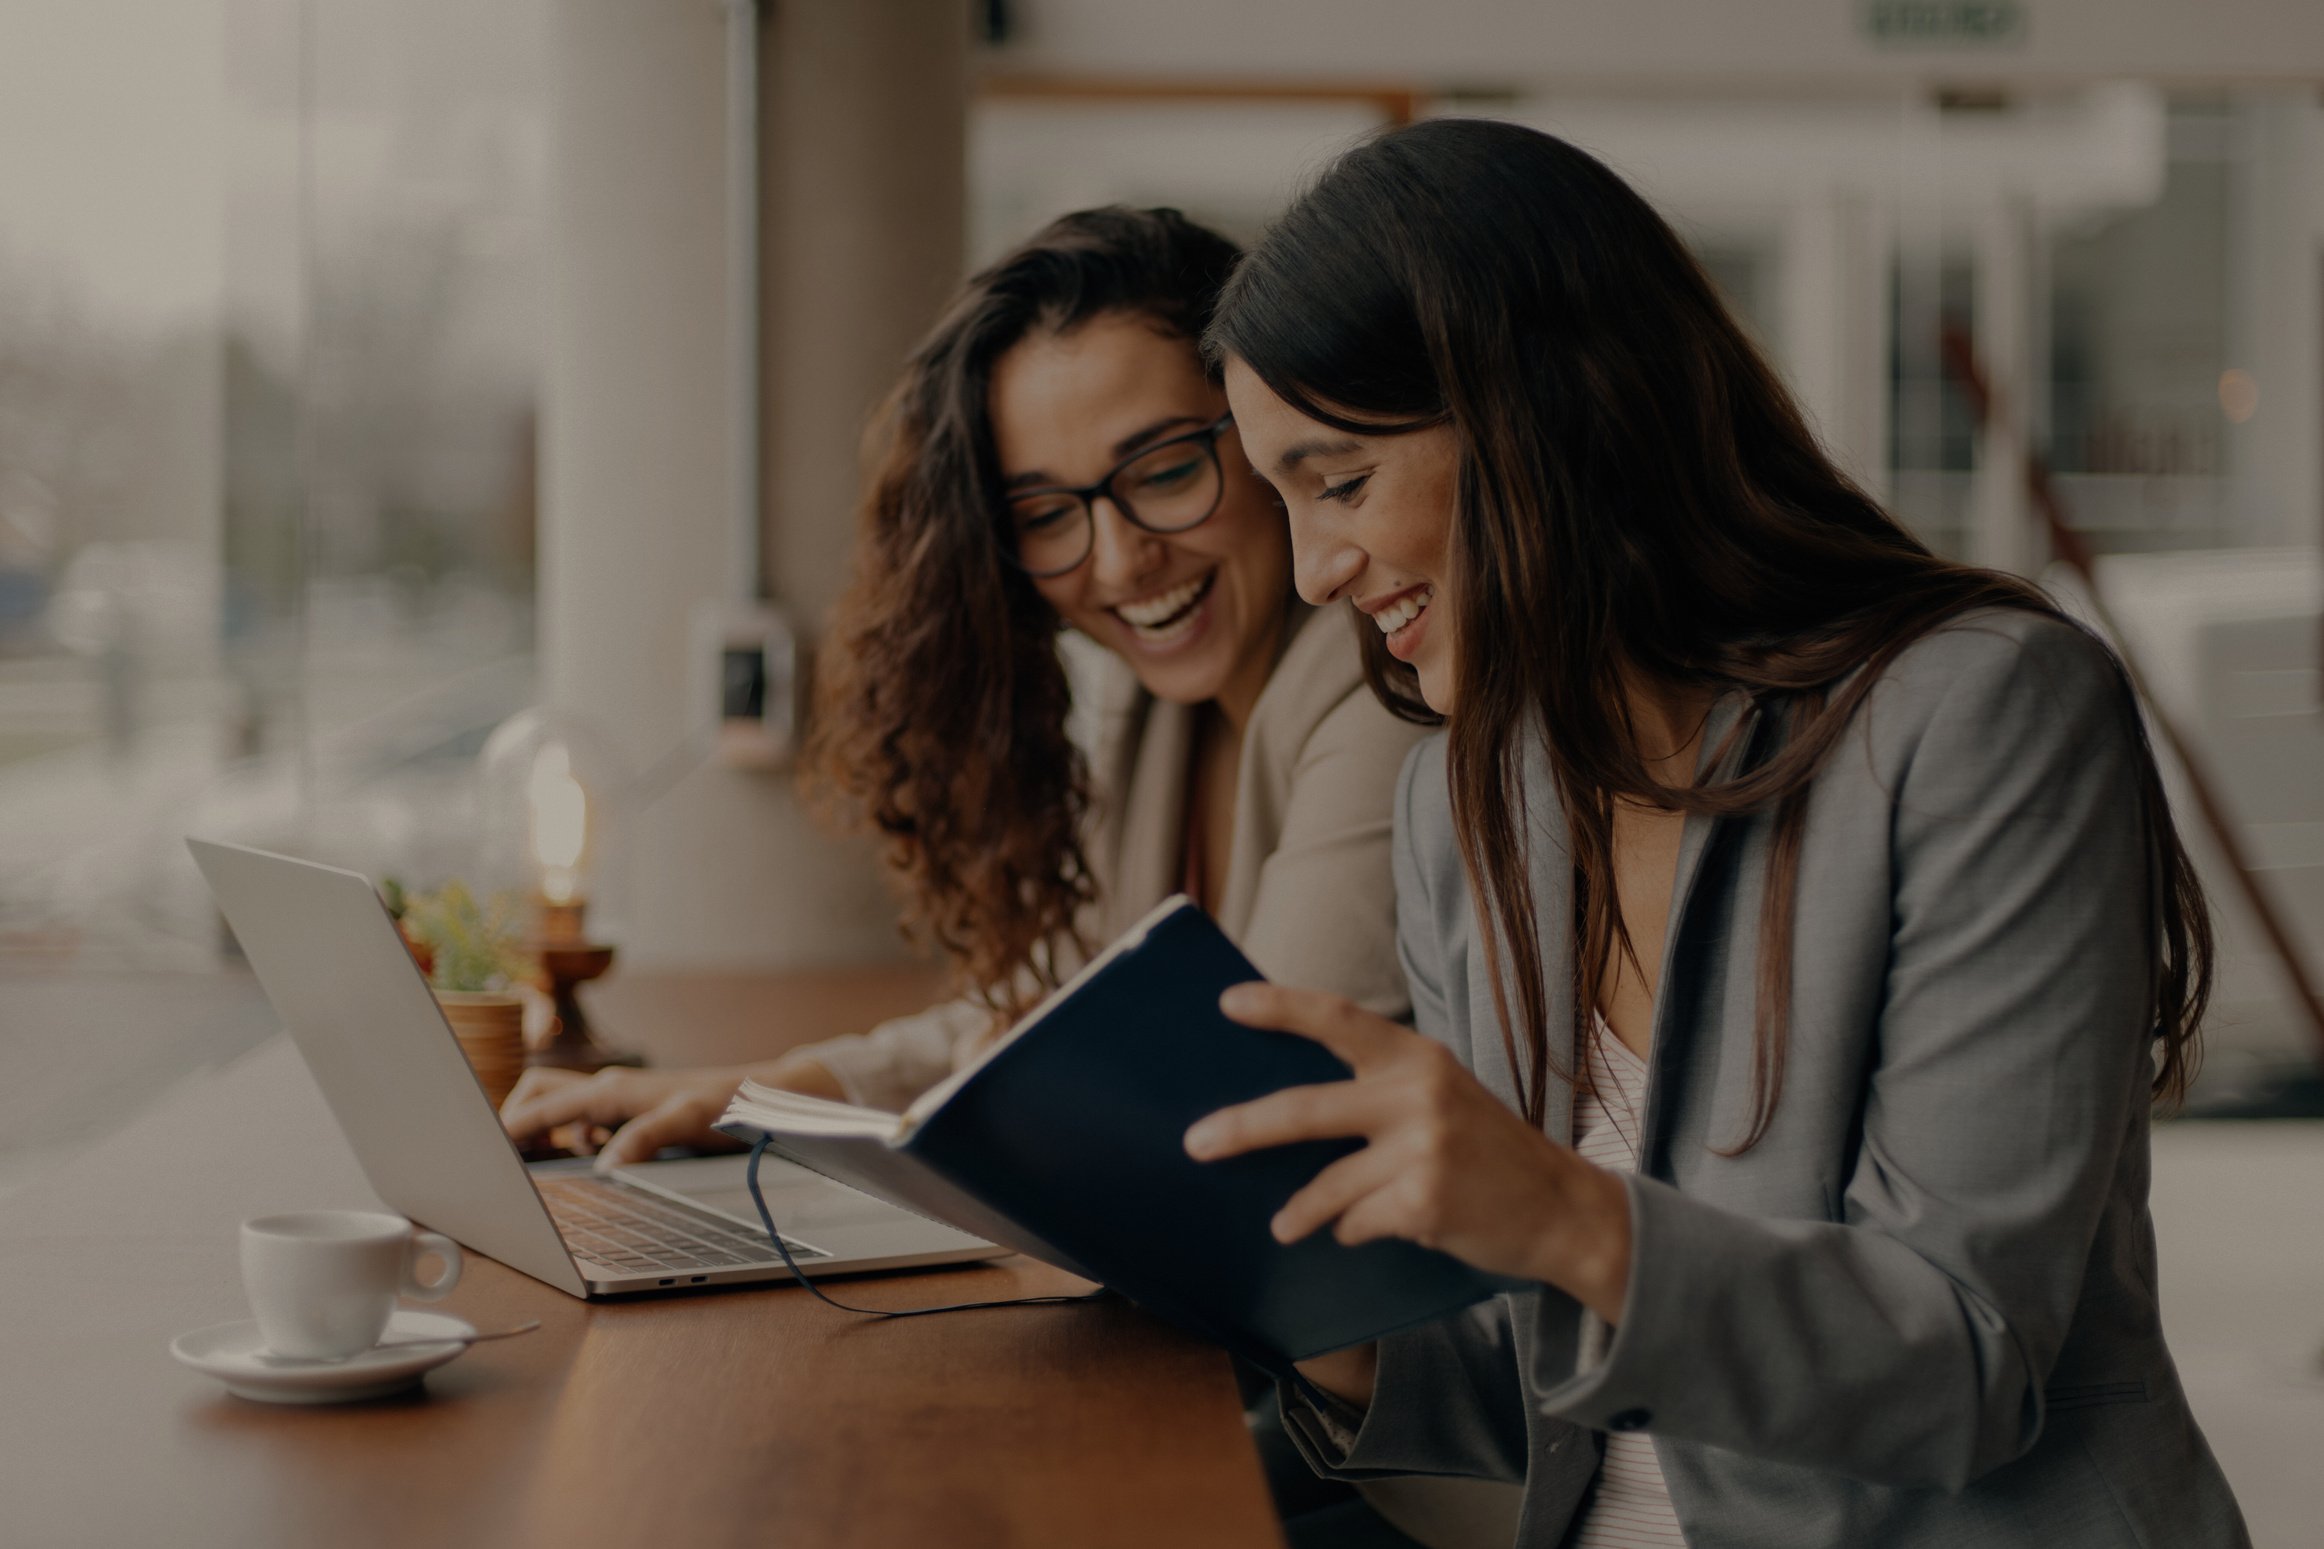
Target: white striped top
1631, 1506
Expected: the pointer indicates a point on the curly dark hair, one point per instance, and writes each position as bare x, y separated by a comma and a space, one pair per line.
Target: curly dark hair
940, 716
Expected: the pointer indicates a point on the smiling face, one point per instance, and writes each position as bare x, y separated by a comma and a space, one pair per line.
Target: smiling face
1197, 614
1371, 521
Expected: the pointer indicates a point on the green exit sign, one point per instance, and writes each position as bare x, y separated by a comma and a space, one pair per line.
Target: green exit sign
1945, 23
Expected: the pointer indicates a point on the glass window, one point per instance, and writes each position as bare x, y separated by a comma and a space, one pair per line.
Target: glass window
268, 352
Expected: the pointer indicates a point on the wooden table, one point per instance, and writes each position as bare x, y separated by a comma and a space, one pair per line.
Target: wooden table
740, 1417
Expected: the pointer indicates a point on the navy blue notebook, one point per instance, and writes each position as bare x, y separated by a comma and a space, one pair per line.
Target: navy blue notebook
1066, 1141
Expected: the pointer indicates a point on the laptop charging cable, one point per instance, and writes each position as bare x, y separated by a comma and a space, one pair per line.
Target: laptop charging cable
767, 1220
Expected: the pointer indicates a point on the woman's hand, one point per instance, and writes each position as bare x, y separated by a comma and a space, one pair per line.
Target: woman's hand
644, 1110
628, 1115
1445, 1163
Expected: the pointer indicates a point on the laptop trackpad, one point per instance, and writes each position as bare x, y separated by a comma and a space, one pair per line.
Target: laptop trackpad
801, 1201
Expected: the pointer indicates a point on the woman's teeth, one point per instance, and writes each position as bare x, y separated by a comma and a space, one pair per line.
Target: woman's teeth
1404, 610
1165, 613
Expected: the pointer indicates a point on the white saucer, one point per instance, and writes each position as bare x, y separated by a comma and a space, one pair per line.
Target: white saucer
230, 1353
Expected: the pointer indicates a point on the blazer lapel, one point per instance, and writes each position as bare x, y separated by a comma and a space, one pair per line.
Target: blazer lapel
1151, 861
1551, 865
1553, 899
1291, 703
1694, 850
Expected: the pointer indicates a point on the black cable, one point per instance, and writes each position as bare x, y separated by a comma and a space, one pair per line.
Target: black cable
751, 1177
1282, 1370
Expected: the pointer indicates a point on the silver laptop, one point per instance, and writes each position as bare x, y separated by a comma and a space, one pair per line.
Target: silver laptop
431, 1145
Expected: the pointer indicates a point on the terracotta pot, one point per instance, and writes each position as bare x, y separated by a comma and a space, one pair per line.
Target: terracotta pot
491, 1029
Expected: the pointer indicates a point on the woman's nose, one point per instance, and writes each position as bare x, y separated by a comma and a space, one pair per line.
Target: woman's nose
1323, 564
1120, 551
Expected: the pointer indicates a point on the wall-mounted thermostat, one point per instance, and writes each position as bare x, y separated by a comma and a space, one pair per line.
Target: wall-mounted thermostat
747, 675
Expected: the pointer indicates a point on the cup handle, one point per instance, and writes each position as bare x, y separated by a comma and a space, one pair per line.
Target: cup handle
422, 1244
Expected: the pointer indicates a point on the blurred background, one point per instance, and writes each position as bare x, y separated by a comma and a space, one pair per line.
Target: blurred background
374, 370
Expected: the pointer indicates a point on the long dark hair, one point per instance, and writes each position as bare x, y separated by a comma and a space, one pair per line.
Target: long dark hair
941, 703
1638, 499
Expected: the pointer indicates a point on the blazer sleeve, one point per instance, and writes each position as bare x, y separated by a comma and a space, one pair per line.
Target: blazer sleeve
1324, 912
1446, 1398
1907, 1342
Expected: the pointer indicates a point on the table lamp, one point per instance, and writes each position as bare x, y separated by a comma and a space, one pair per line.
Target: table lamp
550, 791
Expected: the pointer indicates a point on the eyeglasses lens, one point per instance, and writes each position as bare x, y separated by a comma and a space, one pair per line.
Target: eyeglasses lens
1172, 487
1168, 489
1052, 532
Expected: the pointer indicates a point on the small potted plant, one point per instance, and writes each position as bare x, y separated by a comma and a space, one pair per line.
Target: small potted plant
476, 960
399, 903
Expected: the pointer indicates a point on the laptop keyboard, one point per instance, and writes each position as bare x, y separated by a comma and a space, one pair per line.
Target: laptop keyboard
630, 1230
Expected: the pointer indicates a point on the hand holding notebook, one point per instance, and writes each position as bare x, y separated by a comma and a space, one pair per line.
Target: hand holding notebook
1065, 1140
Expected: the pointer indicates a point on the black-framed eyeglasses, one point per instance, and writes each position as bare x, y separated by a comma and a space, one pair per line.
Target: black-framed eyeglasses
1165, 488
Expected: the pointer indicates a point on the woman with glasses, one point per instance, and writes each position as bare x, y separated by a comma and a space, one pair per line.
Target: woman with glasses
1796, 927
1057, 457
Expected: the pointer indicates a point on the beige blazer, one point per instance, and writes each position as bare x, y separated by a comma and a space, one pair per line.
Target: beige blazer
1309, 894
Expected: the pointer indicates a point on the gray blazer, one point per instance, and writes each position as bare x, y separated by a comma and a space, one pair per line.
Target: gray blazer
1921, 1311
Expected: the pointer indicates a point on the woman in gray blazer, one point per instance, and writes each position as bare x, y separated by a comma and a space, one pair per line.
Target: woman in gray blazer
1796, 928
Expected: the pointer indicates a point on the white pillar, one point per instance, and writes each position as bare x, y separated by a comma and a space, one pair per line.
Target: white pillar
633, 433
2002, 533
1834, 319
2276, 323
637, 426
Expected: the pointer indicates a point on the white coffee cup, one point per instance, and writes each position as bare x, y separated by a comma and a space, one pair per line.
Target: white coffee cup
323, 1282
